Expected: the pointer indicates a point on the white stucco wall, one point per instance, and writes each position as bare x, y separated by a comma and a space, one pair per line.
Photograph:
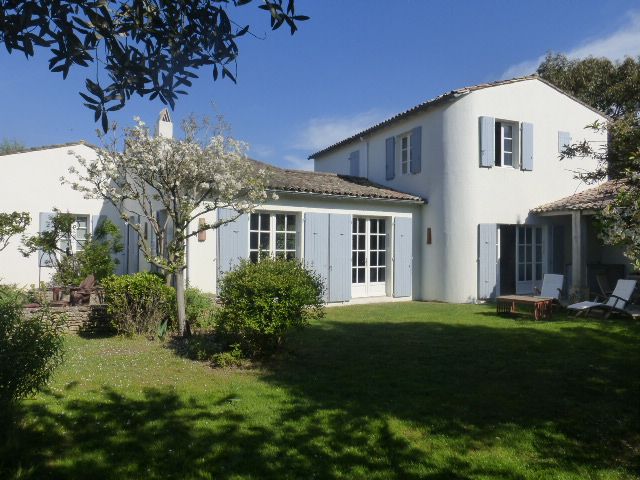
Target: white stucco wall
30, 182
202, 255
460, 193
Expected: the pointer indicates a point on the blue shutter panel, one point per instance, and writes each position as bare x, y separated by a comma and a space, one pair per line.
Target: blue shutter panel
487, 141
44, 224
316, 246
527, 146
416, 150
487, 260
354, 163
402, 257
133, 251
233, 240
390, 146
339, 257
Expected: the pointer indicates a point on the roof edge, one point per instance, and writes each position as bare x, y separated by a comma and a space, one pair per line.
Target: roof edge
49, 147
451, 95
417, 200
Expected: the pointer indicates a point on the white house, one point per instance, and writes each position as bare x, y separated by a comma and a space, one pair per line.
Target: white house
440, 202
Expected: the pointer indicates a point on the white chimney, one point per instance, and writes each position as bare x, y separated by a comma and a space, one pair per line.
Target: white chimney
165, 125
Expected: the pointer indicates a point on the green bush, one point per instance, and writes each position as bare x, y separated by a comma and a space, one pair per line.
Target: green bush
139, 304
200, 308
30, 347
262, 301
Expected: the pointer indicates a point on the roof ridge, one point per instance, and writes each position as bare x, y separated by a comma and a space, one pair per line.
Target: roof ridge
452, 94
48, 147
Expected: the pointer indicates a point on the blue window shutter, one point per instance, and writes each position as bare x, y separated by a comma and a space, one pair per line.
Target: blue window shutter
316, 246
233, 240
390, 145
487, 141
402, 257
416, 150
527, 146
44, 224
487, 260
133, 251
339, 257
354, 163
564, 140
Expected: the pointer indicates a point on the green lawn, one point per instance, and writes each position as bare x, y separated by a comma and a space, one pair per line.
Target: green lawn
374, 392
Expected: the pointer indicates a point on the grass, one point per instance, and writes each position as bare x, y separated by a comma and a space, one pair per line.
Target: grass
401, 391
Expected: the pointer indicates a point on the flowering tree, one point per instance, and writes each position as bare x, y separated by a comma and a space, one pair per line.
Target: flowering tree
12, 224
186, 178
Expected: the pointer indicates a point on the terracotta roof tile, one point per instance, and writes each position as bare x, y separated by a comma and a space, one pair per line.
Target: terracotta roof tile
301, 181
49, 147
591, 199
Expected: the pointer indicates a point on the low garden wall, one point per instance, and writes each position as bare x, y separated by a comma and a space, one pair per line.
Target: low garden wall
90, 319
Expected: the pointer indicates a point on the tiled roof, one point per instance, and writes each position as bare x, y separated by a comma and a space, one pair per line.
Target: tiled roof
591, 199
453, 94
49, 147
321, 183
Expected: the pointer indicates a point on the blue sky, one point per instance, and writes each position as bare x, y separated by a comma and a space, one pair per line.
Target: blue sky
354, 63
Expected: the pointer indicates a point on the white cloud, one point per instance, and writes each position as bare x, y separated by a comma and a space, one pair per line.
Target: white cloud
623, 42
299, 163
319, 133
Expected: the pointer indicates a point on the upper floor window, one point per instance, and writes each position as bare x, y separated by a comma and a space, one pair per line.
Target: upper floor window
506, 144
405, 153
272, 234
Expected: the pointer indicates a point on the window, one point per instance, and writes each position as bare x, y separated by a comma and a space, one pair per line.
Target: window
79, 235
272, 234
368, 250
506, 144
405, 153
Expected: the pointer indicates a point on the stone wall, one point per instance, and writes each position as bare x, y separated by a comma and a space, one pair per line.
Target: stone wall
81, 319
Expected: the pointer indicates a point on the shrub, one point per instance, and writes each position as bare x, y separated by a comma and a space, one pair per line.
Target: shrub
30, 347
139, 304
200, 309
262, 301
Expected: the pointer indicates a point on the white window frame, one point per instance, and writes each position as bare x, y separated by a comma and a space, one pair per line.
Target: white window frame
77, 245
272, 232
515, 143
405, 162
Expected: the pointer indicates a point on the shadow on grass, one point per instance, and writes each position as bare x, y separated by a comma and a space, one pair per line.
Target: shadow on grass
367, 400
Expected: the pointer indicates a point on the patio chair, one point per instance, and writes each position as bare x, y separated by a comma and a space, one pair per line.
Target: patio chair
552, 284
616, 303
81, 295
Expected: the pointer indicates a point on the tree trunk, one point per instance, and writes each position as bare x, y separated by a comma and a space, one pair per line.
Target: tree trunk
180, 297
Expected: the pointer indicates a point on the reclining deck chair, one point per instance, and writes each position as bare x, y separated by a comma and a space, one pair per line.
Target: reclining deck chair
616, 302
552, 284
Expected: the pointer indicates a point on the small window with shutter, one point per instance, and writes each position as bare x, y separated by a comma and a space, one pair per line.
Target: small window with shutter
506, 144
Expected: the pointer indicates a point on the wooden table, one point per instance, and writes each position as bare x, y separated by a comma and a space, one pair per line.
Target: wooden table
542, 306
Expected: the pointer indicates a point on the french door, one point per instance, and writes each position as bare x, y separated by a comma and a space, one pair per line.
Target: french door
368, 257
530, 258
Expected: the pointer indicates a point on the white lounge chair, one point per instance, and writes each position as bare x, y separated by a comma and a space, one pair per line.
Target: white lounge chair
616, 302
552, 284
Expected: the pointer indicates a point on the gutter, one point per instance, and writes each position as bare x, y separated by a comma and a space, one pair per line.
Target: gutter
351, 197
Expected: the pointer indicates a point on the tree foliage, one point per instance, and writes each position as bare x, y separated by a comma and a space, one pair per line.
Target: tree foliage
613, 88
8, 146
149, 48
12, 224
95, 257
182, 178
